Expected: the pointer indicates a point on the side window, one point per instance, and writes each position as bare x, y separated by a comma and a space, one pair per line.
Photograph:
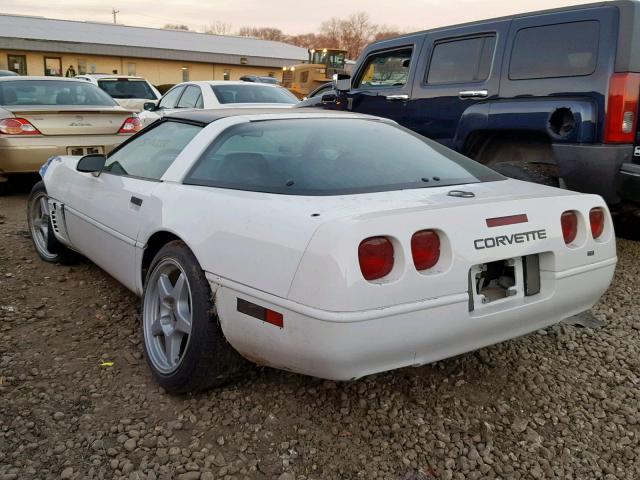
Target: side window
170, 98
152, 153
561, 50
190, 97
462, 60
385, 69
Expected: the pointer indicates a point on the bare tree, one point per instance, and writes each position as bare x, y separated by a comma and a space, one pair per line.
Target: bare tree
383, 32
263, 33
218, 28
172, 26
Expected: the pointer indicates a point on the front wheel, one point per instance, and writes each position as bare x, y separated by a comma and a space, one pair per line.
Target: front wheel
183, 341
48, 247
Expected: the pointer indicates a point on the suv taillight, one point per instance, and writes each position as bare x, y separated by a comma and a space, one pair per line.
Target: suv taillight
375, 255
569, 222
17, 126
131, 125
425, 249
596, 219
622, 108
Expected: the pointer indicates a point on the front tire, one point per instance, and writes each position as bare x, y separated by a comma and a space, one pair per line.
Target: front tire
183, 342
48, 247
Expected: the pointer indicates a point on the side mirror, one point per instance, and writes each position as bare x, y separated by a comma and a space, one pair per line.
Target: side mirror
329, 98
93, 163
341, 82
150, 106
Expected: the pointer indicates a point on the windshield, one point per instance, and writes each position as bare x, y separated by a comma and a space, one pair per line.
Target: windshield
127, 88
53, 92
330, 59
252, 93
330, 156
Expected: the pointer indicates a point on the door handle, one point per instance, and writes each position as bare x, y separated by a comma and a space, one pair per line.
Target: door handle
473, 94
397, 98
136, 201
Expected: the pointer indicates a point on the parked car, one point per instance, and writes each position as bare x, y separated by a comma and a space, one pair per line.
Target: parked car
217, 94
259, 79
550, 97
45, 116
130, 92
330, 244
7, 73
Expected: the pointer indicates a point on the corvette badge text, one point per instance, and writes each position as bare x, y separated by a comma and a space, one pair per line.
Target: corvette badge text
504, 240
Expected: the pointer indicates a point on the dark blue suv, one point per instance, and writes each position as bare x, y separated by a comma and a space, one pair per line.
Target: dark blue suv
550, 96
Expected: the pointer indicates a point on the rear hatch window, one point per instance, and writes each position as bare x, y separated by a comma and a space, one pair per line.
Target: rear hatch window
127, 88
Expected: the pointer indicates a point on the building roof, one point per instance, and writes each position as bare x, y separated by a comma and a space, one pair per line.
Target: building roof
67, 36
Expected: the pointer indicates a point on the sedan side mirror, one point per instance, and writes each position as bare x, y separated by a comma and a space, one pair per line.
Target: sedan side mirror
341, 82
93, 163
150, 106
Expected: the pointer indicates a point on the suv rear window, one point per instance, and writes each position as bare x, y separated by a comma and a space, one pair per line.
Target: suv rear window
562, 50
127, 88
461, 61
330, 156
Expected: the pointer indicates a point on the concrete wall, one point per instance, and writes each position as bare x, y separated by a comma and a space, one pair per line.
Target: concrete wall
158, 72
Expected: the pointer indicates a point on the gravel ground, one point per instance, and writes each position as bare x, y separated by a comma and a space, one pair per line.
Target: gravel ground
561, 403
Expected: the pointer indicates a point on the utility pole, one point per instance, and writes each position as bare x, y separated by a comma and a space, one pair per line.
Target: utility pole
114, 12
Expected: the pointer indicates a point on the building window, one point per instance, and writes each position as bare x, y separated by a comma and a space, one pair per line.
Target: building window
53, 66
227, 75
17, 63
131, 69
82, 67
92, 68
185, 74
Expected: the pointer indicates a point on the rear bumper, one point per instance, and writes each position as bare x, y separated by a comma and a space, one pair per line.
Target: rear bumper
628, 182
597, 168
349, 345
28, 154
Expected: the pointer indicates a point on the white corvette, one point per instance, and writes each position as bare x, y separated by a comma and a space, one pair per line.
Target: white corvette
330, 244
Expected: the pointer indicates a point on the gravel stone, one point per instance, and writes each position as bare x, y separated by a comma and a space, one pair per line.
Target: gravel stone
560, 403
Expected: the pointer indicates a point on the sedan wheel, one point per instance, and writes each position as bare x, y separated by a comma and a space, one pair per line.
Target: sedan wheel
183, 341
167, 315
48, 247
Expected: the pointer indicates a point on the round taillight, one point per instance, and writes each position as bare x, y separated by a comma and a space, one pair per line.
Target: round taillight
375, 255
596, 219
569, 222
425, 249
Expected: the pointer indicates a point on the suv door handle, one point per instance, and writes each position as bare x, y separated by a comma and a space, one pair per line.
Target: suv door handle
473, 94
397, 98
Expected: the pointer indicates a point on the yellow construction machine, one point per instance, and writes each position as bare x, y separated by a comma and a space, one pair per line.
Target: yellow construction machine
303, 78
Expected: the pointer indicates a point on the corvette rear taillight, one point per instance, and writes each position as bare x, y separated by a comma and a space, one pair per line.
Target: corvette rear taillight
17, 126
131, 125
425, 249
622, 108
375, 255
569, 222
596, 219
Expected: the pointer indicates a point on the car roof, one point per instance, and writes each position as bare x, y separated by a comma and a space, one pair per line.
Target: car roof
58, 79
209, 116
107, 75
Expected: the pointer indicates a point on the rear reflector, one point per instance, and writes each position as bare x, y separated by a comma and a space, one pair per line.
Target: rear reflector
425, 249
510, 220
569, 222
375, 255
596, 219
261, 313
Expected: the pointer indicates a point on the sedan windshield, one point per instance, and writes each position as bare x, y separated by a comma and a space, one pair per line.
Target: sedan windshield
252, 93
127, 88
330, 156
53, 92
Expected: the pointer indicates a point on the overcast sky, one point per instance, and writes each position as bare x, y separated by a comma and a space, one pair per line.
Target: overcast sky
291, 16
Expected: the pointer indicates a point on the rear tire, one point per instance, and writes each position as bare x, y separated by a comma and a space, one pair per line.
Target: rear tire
47, 245
183, 341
